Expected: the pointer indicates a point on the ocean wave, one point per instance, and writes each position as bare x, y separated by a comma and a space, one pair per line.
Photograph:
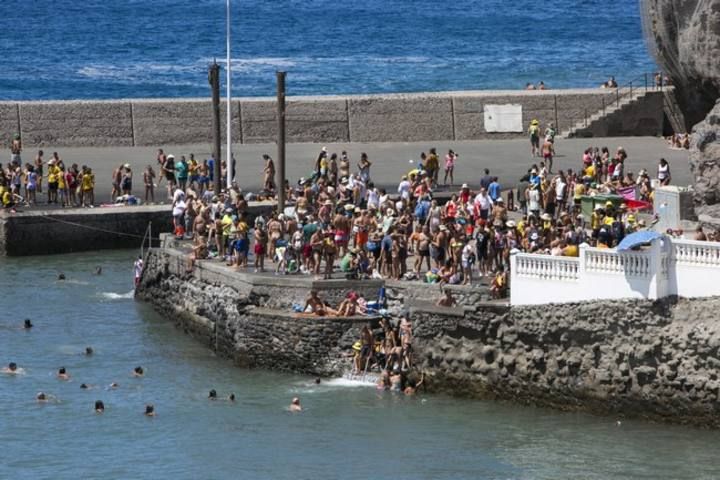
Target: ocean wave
117, 296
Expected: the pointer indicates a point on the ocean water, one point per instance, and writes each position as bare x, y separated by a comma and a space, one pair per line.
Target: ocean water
347, 430
61, 49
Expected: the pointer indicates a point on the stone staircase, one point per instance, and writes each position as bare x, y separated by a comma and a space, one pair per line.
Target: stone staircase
584, 128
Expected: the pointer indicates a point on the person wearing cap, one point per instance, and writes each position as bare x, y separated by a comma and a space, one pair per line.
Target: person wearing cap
534, 132
54, 173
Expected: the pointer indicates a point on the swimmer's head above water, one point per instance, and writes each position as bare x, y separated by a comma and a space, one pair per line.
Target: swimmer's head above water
150, 410
89, 351
99, 406
212, 395
138, 371
27, 324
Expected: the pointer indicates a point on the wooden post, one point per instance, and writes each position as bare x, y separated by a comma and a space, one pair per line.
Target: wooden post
214, 79
281, 140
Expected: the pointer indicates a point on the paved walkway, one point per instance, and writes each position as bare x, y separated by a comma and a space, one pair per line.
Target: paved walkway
508, 159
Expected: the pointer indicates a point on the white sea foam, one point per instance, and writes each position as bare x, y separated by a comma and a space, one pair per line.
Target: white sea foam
117, 296
352, 383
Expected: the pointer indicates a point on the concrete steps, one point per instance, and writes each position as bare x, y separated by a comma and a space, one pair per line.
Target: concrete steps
583, 128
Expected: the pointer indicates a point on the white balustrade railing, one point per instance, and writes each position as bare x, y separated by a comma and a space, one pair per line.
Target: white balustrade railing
636, 264
686, 268
692, 252
546, 267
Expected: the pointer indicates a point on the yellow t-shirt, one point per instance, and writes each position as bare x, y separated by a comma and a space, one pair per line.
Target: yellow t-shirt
88, 181
61, 179
53, 174
590, 171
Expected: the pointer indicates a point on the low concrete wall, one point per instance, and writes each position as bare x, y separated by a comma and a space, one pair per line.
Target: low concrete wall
650, 359
78, 230
66, 231
322, 119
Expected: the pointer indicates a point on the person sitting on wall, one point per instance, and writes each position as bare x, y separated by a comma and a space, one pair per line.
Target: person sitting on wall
447, 300
349, 306
498, 288
314, 305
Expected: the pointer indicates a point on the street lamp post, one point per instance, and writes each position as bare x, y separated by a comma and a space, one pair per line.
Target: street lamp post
228, 154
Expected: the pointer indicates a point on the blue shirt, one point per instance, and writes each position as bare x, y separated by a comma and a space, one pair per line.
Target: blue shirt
211, 168
494, 190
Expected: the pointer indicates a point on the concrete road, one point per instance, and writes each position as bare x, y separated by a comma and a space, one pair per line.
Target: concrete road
508, 159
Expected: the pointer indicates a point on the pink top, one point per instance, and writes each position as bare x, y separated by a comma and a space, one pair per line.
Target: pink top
449, 161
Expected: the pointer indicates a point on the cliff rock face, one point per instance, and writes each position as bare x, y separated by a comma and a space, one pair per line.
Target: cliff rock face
705, 165
684, 36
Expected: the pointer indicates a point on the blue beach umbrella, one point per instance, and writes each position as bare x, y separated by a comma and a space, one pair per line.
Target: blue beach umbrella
636, 239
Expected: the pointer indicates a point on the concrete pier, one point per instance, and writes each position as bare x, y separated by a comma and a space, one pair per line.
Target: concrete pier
634, 358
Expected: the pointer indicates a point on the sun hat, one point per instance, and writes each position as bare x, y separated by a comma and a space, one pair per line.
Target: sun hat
500, 200
464, 185
534, 236
546, 216
535, 122
127, 165
598, 208
390, 212
443, 228
510, 224
357, 210
171, 156
349, 207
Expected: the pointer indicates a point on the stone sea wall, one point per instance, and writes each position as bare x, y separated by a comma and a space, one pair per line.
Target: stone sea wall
331, 119
657, 360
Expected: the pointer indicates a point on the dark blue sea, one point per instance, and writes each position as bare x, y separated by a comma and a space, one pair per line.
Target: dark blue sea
62, 49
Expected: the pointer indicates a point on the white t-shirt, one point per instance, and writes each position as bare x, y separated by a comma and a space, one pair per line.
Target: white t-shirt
560, 190
179, 208
404, 190
373, 199
484, 202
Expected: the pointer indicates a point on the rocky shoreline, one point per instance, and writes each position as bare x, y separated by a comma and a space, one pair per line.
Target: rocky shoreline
657, 360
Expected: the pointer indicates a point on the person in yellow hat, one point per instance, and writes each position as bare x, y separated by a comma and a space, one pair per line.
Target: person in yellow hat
534, 132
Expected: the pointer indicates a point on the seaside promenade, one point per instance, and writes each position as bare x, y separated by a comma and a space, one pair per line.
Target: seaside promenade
508, 159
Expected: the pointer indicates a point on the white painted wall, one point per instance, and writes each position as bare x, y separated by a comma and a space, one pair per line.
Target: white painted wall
668, 267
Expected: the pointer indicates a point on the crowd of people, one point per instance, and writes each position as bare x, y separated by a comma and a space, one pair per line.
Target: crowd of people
65, 185
343, 223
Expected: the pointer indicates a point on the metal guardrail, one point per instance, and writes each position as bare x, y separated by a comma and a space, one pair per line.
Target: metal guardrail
645, 83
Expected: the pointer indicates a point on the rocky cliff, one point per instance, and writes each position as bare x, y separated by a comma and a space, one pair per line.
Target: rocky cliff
684, 36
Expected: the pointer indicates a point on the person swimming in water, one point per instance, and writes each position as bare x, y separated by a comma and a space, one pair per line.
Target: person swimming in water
12, 369
411, 388
99, 406
138, 372
113, 385
212, 395
89, 351
98, 270
62, 374
295, 405
41, 397
27, 324
231, 397
149, 410
61, 276
85, 386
